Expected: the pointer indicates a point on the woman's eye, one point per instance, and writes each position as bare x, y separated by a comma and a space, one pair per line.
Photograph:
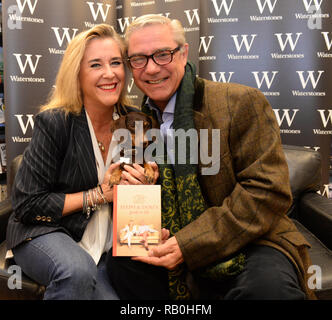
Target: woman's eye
116, 63
95, 65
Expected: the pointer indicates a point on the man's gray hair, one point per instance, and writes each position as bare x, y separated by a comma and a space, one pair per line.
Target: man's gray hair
155, 19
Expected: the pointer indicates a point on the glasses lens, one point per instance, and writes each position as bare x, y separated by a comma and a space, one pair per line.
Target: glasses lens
138, 61
162, 57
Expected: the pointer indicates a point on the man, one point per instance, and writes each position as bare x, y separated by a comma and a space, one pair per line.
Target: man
229, 232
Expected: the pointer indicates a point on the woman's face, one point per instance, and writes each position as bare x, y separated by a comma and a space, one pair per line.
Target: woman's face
102, 73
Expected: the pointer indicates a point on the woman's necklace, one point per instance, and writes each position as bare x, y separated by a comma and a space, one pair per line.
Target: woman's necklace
100, 144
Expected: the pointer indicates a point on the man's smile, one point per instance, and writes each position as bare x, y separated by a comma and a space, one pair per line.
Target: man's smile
156, 81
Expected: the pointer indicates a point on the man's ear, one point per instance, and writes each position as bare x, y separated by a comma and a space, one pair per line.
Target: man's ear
185, 52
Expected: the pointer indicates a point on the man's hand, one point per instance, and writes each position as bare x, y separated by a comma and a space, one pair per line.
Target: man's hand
135, 174
167, 255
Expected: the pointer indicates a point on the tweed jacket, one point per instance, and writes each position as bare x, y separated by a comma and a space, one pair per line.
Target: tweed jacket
58, 160
249, 196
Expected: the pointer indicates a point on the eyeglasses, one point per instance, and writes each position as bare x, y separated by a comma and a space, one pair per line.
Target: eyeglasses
161, 58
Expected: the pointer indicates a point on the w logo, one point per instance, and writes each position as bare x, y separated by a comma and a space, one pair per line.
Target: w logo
261, 6
100, 9
328, 42
125, 22
288, 40
244, 41
264, 78
309, 3
326, 119
31, 6
191, 18
204, 44
224, 4
285, 116
28, 61
130, 85
24, 126
65, 35
222, 77
311, 77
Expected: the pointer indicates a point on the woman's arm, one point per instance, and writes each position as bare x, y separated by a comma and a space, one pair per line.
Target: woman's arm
34, 192
74, 201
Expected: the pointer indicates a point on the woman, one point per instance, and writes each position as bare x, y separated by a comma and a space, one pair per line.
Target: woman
61, 224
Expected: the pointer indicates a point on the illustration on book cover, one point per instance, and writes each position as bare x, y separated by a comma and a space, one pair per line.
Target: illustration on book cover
136, 219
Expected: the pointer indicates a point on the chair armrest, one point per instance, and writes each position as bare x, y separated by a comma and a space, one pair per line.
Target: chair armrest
316, 215
5, 211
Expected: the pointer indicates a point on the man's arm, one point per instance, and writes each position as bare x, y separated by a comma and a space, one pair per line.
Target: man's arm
255, 167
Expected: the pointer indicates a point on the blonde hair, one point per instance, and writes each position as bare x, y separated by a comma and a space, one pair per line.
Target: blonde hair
67, 93
155, 19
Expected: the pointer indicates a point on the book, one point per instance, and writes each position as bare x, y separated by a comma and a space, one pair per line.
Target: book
136, 219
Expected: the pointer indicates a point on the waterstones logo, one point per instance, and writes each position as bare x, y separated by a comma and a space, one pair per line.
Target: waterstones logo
287, 117
326, 118
130, 88
266, 78
306, 78
61, 36
142, 4
328, 43
289, 41
222, 77
309, 3
193, 18
98, 10
244, 42
314, 13
125, 22
223, 6
25, 122
16, 17
205, 43
24, 61
262, 4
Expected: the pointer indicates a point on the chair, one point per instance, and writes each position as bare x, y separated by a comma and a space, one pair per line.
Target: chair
311, 212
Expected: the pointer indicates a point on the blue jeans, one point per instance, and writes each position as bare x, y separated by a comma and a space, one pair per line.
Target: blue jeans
56, 261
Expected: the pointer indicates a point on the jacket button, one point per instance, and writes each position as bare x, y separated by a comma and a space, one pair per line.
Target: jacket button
48, 219
43, 218
38, 218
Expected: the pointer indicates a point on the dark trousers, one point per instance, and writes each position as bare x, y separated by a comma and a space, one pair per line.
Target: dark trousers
268, 275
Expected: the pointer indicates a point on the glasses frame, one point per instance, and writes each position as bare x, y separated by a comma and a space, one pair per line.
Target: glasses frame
151, 56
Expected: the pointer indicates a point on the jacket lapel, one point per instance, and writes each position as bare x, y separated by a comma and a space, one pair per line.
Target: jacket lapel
85, 153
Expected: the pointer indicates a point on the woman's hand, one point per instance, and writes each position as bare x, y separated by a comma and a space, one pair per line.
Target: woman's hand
135, 174
107, 190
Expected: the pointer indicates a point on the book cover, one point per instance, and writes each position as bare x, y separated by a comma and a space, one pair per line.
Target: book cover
136, 219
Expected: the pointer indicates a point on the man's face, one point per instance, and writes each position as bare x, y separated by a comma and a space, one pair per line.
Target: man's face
157, 82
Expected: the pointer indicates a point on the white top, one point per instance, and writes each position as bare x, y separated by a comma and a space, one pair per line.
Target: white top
97, 237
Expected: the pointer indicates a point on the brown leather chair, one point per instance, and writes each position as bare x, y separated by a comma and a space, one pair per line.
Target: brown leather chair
311, 213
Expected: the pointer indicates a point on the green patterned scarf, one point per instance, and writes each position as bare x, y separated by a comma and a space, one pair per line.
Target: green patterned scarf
182, 199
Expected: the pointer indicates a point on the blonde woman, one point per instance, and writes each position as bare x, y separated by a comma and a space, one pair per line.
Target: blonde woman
61, 227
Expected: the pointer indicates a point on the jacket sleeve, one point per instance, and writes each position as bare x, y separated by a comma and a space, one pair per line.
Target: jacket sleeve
255, 168
34, 196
